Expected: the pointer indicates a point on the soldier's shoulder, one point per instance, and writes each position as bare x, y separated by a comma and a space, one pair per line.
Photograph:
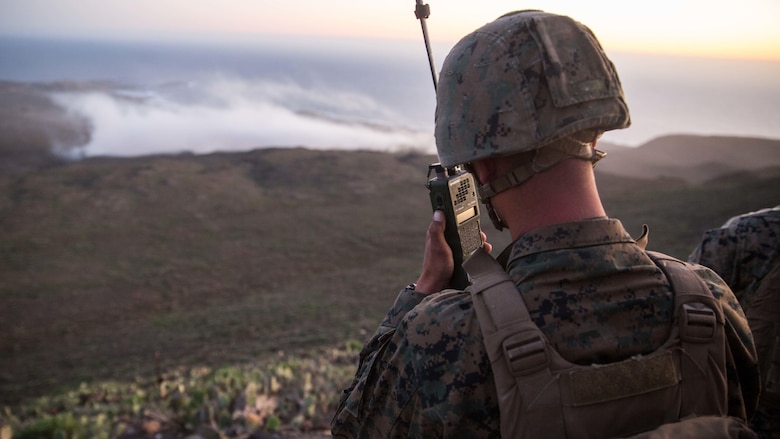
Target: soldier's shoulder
446, 312
760, 221
450, 303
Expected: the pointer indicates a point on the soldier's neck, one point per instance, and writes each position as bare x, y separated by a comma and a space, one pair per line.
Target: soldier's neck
565, 193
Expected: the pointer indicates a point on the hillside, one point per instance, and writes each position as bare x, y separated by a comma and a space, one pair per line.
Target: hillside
694, 159
130, 269
201, 258
32, 125
234, 256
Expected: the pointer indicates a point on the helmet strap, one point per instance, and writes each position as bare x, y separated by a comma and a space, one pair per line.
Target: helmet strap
542, 159
498, 223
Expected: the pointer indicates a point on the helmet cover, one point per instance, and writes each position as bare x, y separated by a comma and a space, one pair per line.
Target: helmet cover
523, 81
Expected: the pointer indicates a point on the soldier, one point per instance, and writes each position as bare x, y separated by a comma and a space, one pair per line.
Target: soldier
522, 102
745, 252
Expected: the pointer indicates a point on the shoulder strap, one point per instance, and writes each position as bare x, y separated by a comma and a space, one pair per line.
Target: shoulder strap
518, 351
521, 357
700, 322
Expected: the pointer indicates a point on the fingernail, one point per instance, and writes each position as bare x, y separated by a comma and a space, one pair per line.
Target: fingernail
438, 216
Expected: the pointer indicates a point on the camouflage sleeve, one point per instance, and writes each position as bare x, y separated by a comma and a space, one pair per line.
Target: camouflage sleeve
350, 420
742, 361
716, 251
422, 375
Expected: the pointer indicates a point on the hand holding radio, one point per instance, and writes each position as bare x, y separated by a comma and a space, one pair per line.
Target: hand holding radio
438, 265
453, 192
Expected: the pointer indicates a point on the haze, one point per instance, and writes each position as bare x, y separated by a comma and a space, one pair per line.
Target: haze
336, 75
712, 28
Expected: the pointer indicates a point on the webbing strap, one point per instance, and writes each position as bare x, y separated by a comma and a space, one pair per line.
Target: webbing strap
540, 160
503, 312
529, 374
700, 322
518, 352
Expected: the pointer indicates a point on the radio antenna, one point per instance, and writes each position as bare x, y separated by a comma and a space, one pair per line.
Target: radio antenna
423, 11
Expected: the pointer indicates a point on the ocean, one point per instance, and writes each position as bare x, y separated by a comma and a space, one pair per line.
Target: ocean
332, 93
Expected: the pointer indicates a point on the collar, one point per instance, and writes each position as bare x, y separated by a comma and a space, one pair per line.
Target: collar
586, 233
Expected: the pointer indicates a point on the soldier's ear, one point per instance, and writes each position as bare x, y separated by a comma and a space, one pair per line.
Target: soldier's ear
485, 170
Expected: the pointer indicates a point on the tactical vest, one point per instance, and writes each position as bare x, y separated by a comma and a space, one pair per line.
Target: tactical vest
763, 316
541, 395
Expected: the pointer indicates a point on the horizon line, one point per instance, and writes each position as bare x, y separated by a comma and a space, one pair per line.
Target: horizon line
246, 39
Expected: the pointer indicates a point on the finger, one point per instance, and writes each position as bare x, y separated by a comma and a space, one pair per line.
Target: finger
436, 234
486, 245
438, 218
437, 259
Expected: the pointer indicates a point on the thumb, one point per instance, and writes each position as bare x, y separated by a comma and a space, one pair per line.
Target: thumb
437, 225
438, 217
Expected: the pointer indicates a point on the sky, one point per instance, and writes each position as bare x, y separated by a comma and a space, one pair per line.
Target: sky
721, 77
709, 28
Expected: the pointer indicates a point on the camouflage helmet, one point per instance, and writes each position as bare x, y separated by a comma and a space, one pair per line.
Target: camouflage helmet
523, 81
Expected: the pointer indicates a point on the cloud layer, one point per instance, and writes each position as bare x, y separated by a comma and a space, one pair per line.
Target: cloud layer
227, 114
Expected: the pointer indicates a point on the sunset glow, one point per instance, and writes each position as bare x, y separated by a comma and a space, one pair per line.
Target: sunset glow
713, 28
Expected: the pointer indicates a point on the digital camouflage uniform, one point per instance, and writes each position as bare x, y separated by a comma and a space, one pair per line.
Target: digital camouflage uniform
535, 86
744, 251
591, 289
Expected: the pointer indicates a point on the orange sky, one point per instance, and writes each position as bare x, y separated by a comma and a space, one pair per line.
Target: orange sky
715, 28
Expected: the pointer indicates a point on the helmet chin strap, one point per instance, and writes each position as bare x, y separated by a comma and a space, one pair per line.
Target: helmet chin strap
498, 223
543, 159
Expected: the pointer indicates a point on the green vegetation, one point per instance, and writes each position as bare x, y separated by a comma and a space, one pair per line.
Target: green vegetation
289, 395
154, 295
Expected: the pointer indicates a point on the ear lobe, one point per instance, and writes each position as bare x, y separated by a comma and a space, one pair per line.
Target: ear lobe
485, 170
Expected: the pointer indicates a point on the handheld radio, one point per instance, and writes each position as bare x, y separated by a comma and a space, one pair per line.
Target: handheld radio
452, 190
